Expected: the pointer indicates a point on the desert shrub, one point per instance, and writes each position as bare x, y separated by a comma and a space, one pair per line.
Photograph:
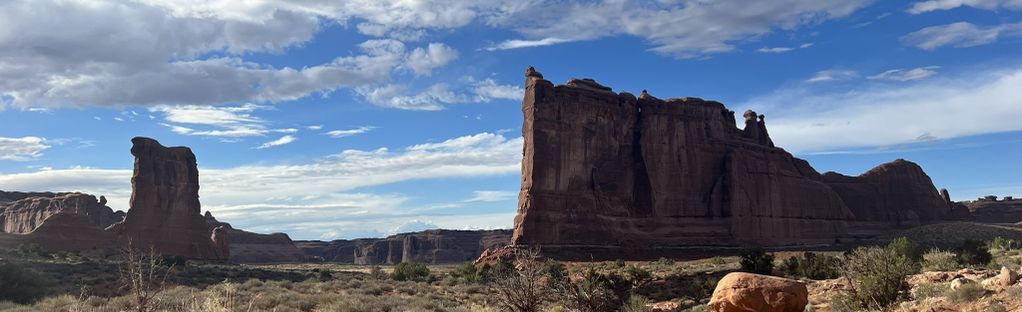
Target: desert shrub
718, 260
757, 260
702, 287
596, 292
928, 290
638, 275
664, 262
1001, 243
410, 271
966, 293
175, 261
556, 271
619, 263
906, 247
973, 253
877, 276
519, 287
324, 276
144, 274
377, 272
636, 304
939, 260
813, 266
466, 273
20, 285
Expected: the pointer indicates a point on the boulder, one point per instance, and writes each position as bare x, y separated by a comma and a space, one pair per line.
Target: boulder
164, 210
1006, 278
612, 176
959, 281
746, 292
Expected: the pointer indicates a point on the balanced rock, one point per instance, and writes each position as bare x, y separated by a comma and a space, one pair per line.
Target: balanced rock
165, 211
746, 292
612, 176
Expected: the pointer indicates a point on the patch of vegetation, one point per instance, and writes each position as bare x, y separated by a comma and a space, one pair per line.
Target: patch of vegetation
973, 253
466, 274
929, 290
757, 260
638, 275
907, 248
596, 292
664, 262
21, 285
410, 271
877, 276
966, 293
939, 260
813, 266
1003, 244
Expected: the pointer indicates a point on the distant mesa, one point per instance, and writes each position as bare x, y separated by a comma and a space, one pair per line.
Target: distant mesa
431, 246
995, 210
608, 175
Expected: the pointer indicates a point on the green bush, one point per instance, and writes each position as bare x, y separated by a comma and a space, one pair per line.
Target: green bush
813, 266
638, 275
664, 262
636, 304
596, 292
556, 270
973, 253
702, 287
410, 271
878, 276
906, 247
21, 285
939, 260
928, 290
466, 273
757, 260
718, 260
1001, 243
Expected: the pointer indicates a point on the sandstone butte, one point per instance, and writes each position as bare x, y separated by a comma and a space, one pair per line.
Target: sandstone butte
610, 175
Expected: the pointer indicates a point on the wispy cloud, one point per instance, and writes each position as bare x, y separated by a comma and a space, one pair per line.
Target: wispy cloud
284, 140
960, 35
491, 196
906, 74
938, 5
783, 49
348, 132
217, 121
807, 119
423, 61
833, 74
519, 43
23, 148
438, 96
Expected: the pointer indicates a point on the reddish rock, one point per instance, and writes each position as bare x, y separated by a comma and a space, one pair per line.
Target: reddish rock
431, 246
69, 232
746, 292
993, 210
21, 213
248, 247
165, 210
608, 175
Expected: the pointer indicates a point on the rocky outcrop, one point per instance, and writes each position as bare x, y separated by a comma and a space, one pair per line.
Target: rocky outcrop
993, 210
432, 246
241, 246
609, 175
744, 292
165, 211
21, 213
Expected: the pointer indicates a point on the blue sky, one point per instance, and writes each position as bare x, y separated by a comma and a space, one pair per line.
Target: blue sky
328, 119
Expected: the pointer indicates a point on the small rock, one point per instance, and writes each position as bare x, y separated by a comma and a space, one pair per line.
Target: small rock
958, 282
1007, 277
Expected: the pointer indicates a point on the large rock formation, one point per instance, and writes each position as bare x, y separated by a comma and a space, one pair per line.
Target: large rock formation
612, 175
165, 211
742, 292
21, 213
993, 210
241, 246
431, 246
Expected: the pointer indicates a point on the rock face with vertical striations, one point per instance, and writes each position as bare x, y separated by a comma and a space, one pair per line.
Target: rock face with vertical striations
609, 175
21, 213
241, 246
993, 210
430, 246
165, 211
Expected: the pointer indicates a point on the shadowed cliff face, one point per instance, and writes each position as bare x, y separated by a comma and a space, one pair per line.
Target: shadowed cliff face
22, 213
431, 246
618, 174
994, 210
165, 211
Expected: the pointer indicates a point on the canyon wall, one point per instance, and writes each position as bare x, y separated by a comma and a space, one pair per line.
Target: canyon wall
431, 246
609, 174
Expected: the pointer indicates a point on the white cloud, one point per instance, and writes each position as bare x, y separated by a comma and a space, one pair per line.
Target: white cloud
519, 43
959, 35
487, 89
217, 121
309, 199
491, 196
802, 119
833, 74
22, 149
423, 61
437, 96
676, 28
284, 140
906, 74
348, 132
783, 49
937, 5
314, 127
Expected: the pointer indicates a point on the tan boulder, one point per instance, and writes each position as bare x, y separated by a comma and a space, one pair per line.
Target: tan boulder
747, 292
1007, 277
958, 282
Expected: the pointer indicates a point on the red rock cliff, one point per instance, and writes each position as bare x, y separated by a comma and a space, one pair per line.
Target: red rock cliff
608, 173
